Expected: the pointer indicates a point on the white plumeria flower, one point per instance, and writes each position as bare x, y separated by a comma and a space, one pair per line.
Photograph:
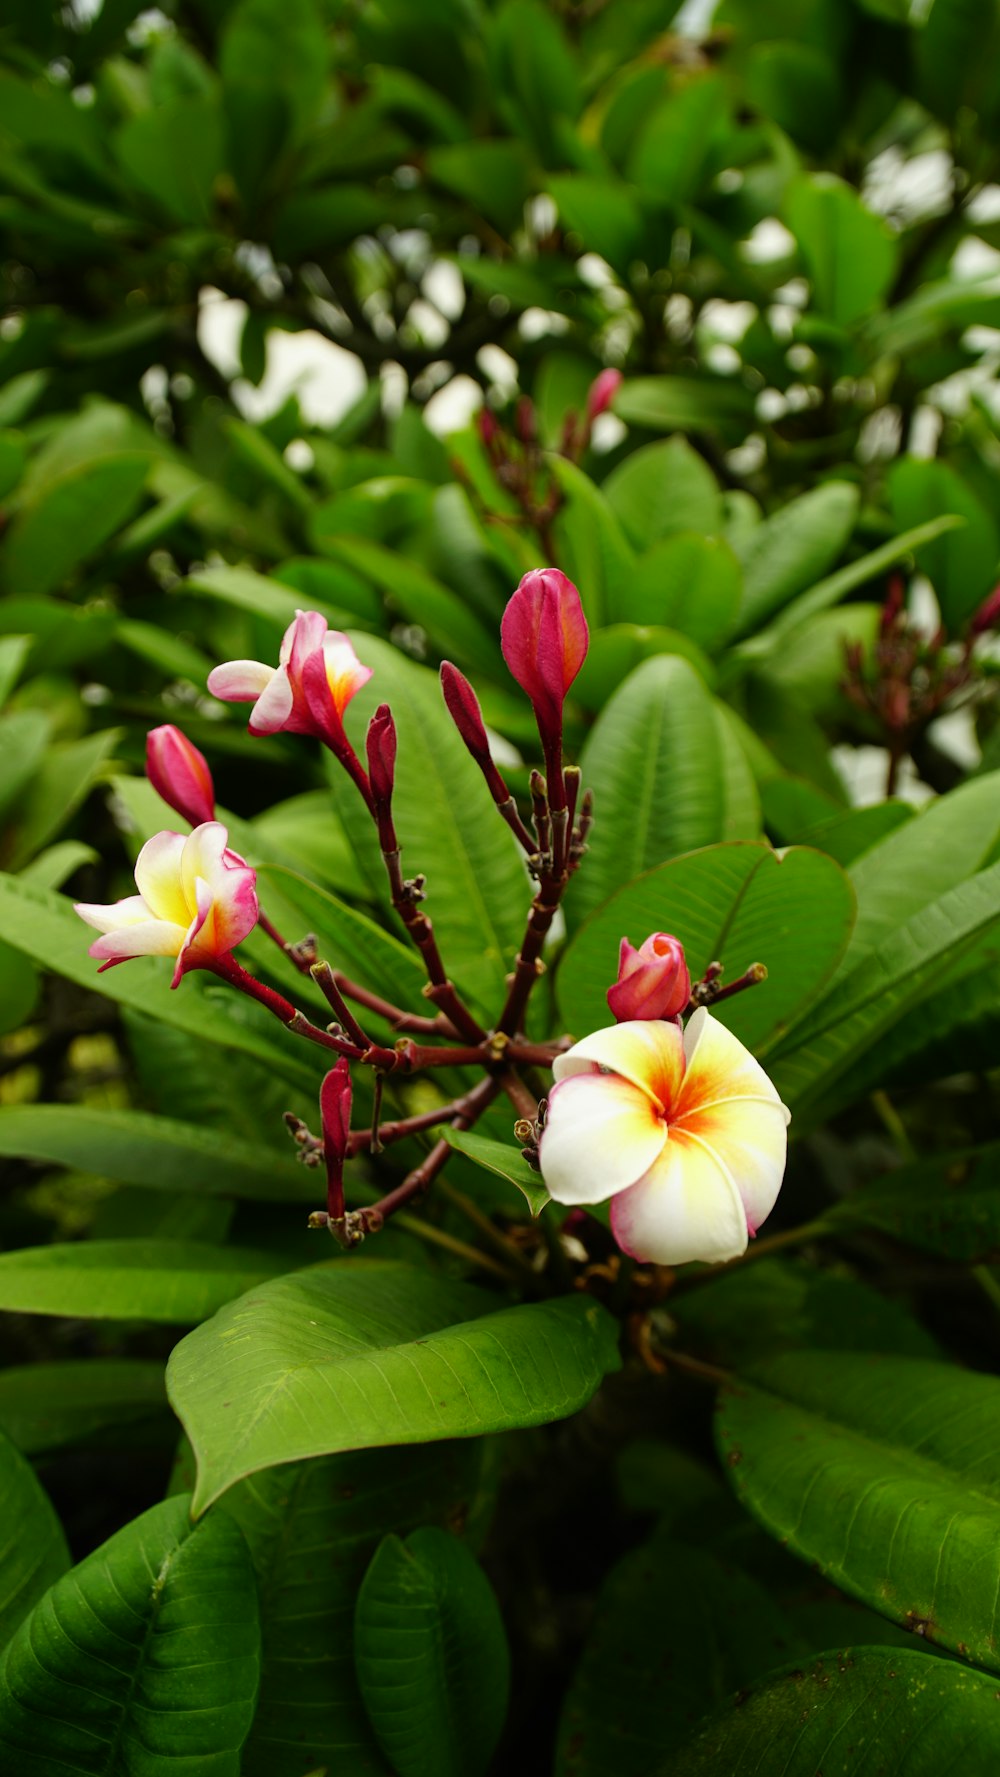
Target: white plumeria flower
682, 1130
308, 691
196, 901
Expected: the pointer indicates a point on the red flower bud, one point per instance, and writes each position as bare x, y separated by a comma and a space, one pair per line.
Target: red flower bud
602, 392
180, 774
335, 1111
544, 638
381, 746
464, 710
488, 427
988, 614
653, 981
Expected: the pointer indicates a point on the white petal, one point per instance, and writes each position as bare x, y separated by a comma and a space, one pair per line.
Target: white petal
647, 1052
156, 938
600, 1135
158, 877
240, 681
751, 1141
719, 1067
685, 1208
130, 912
274, 705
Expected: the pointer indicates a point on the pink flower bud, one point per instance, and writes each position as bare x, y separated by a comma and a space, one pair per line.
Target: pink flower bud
544, 638
602, 392
653, 981
464, 710
180, 774
335, 1111
988, 614
525, 421
381, 746
488, 427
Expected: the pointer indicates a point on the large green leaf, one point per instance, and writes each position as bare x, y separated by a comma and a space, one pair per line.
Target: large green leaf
649, 1671
312, 1528
453, 627
591, 544
47, 1406
33, 1552
431, 1656
155, 1152
140, 1662
65, 520
948, 1206
882, 1472
881, 990
849, 252
68, 772
44, 926
961, 563
884, 1709
688, 582
685, 403
738, 904
661, 489
177, 1281
503, 1159
792, 548
348, 1356
477, 895
653, 761
274, 63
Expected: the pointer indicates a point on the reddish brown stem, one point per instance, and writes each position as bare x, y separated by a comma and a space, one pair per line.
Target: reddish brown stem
393, 1015
368, 1221
528, 965
439, 989
326, 981
230, 971
359, 1140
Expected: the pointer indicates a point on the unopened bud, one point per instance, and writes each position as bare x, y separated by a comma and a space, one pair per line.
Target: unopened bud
335, 1110
180, 774
653, 981
381, 747
602, 392
988, 614
463, 708
527, 429
544, 638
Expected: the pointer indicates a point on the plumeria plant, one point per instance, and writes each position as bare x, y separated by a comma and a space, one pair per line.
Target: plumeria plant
673, 1120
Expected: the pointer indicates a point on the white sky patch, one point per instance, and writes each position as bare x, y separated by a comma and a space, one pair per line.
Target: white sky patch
453, 406
769, 240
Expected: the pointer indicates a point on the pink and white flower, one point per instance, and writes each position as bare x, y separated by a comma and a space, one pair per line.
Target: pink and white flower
682, 1130
308, 691
196, 901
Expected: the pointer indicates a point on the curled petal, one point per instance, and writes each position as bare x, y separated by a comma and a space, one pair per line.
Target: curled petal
240, 681
344, 671
751, 1140
719, 1068
686, 1207
301, 638
231, 889
650, 1055
192, 953
130, 912
274, 705
154, 937
601, 1134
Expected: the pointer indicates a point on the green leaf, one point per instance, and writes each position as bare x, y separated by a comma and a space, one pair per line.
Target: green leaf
69, 771
659, 729
792, 548
688, 582
13, 457
881, 991
494, 176
154, 1152
618, 651
849, 253
591, 543
798, 88
312, 1528
44, 926
47, 1406
19, 990
674, 148
685, 404
891, 1708
431, 1656
477, 895
603, 212
739, 904
882, 1472
143, 1659
501, 1158
753, 1311
659, 490
948, 1206
260, 596
349, 1356
648, 1673
273, 61
177, 1281
24, 735
175, 154
422, 599
962, 563
66, 520
34, 1551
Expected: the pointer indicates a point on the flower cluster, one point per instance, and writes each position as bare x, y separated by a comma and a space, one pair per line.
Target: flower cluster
674, 1122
